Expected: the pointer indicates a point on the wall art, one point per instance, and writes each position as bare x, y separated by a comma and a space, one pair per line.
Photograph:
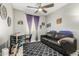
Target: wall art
40, 26
59, 20
9, 21
20, 22
48, 25
0, 9
3, 12
43, 23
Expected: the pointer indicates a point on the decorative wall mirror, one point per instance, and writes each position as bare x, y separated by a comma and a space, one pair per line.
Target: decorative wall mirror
58, 23
9, 21
59, 20
3, 12
0, 9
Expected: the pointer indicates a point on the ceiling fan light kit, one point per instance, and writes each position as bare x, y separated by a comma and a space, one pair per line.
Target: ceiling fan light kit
40, 9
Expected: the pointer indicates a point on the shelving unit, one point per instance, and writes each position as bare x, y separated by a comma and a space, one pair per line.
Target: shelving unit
16, 41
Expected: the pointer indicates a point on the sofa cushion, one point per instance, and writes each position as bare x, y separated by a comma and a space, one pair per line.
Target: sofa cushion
63, 34
66, 33
52, 41
65, 40
51, 34
59, 36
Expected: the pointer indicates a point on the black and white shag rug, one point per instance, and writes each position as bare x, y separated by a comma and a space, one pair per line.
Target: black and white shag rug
38, 49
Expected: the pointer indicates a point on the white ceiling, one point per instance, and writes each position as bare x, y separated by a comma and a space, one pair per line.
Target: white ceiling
22, 7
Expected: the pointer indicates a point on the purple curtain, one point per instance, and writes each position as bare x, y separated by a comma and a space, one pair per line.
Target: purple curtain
29, 20
36, 20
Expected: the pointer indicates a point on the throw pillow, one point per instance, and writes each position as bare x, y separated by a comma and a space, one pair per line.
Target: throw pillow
66, 39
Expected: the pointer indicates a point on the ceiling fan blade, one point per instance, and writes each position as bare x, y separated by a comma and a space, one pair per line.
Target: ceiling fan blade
44, 10
48, 6
32, 7
36, 11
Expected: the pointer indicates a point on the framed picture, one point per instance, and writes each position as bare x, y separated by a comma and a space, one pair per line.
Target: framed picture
48, 25
43, 23
59, 20
3, 12
20, 22
9, 21
40, 26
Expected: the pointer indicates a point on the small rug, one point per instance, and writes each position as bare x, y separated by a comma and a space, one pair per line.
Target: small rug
38, 49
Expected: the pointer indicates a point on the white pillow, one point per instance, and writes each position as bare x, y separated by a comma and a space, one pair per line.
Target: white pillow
71, 40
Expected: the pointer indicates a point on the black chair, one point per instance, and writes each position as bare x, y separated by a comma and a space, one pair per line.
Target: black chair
30, 37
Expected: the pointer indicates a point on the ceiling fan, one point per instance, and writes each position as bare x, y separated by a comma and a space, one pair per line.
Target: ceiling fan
42, 8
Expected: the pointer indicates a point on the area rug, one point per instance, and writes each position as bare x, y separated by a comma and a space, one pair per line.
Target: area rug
38, 49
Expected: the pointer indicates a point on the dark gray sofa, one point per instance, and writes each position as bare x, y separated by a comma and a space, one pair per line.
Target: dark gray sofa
66, 48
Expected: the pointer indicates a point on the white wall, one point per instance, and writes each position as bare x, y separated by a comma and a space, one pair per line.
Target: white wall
70, 19
6, 31
23, 29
